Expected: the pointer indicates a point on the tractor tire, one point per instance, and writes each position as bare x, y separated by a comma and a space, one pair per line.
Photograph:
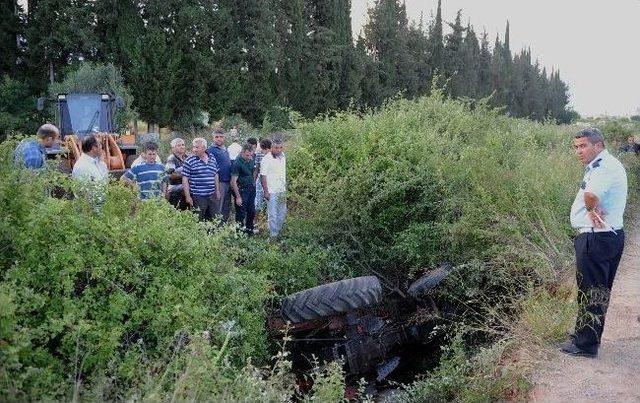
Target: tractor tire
331, 299
429, 281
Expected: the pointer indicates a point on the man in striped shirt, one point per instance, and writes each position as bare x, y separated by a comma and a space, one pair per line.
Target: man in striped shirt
200, 182
149, 176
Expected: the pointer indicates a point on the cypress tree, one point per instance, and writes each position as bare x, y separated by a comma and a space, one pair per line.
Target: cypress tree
291, 35
387, 41
436, 43
453, 56
485, 87
10, 27
118, 28
372, 91
470, 68
154, 70
418, 46
59, 33
255, 27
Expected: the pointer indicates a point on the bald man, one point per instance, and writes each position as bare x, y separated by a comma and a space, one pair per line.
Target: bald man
30, 153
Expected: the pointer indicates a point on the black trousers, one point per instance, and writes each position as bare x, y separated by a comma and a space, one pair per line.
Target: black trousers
597, 257
247, 212
177, 200
207, 206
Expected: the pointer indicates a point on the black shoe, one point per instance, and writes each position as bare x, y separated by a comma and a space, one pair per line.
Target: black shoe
568, 347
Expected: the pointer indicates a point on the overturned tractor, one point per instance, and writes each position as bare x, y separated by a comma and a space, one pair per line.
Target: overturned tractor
357, 321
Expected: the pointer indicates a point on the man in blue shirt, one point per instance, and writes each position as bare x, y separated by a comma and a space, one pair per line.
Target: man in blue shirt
149, 176
597, 216
200, 180
30, 153
221, 155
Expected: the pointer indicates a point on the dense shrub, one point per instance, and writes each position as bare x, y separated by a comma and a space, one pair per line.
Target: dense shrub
130, 301
429, 181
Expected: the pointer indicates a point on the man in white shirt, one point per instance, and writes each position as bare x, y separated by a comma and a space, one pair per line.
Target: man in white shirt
234, 148
273, 174
91, 173
597, 216
90, 166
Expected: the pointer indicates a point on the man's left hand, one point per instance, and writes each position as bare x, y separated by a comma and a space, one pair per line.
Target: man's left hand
597, 217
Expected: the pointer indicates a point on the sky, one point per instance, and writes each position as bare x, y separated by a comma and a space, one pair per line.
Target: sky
595, 44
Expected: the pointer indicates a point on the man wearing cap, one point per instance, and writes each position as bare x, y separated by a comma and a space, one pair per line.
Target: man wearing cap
596, 214
30, 153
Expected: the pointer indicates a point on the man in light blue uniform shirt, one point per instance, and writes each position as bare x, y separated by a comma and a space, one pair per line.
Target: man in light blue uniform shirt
597, 216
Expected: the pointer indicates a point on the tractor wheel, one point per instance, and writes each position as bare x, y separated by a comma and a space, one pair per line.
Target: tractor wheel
129, 161
429, 281
331, 299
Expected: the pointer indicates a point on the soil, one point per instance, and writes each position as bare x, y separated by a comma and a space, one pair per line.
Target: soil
614, 376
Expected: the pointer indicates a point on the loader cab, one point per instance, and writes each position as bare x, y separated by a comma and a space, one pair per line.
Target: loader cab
83, 114
80, 114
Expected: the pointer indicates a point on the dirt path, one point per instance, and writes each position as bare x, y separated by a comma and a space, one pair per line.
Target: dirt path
615, 375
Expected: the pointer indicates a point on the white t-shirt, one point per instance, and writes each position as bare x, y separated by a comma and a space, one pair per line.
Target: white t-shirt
234, 150
275, 170
88, 168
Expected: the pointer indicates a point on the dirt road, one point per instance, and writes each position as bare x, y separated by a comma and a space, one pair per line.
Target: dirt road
615, 375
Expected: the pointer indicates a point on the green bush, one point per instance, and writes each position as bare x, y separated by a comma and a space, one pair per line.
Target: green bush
107, 304
429, 181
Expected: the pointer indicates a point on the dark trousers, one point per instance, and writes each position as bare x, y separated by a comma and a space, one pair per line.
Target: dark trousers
597, 257
224, 205
207, 206
247, 212
177, 200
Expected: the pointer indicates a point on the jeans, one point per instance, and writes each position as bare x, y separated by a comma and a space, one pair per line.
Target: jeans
276, 212
259, 195
207, 206
224, 207
246, 213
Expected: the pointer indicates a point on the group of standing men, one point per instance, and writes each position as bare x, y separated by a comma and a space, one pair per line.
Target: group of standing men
210, 180
207, 180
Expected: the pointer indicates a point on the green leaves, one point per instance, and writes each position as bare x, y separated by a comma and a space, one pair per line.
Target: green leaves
90, 295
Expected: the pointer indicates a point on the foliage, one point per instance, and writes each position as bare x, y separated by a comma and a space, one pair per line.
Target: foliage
430, 181
258, 58
465, 378
134, 301
17, 108
433, 180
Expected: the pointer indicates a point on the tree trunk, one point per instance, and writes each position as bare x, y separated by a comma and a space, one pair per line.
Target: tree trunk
51, 75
